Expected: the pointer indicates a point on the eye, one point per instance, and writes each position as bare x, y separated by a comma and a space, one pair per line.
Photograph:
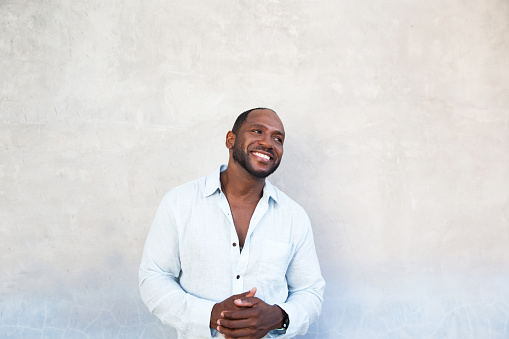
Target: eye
257, 131
279, 139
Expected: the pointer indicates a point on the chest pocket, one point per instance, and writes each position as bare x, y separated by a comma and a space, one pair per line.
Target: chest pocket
274, 262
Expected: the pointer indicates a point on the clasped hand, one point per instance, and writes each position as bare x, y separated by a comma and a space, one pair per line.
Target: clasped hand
245, 316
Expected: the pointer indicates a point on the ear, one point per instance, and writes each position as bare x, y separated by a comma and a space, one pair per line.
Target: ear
230, 140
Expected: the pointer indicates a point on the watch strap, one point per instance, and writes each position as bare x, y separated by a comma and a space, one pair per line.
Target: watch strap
286, 321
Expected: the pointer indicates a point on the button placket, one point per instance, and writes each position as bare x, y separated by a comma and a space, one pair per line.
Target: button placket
237, 271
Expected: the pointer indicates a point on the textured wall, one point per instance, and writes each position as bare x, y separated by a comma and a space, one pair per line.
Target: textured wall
397, 115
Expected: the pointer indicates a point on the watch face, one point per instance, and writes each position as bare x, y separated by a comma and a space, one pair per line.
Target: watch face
286, 321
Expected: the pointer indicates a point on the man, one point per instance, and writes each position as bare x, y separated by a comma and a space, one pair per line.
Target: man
232, 231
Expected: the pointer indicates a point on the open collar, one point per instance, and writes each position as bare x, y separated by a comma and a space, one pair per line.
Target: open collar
213, 184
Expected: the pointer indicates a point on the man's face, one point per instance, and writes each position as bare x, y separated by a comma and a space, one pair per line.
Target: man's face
258, 146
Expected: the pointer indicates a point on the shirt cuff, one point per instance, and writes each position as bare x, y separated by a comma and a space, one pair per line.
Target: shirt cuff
200, 317
292, 312
275, 333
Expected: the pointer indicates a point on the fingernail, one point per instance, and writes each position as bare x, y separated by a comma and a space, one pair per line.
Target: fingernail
218, 322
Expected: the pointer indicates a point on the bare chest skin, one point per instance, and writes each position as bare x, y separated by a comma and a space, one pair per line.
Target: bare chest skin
242, 214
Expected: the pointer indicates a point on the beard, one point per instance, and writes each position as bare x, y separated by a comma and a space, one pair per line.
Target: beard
242, 158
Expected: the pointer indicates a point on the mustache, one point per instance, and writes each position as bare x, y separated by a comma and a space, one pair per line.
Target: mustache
264, 149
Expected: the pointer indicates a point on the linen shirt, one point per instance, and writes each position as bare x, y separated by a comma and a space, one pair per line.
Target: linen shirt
191, 259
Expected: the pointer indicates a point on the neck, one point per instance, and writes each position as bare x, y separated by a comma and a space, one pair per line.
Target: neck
239, 184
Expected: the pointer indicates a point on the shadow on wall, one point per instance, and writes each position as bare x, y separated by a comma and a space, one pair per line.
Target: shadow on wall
305, 177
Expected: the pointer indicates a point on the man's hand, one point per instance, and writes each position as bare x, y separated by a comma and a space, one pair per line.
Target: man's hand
251, 318
228, 305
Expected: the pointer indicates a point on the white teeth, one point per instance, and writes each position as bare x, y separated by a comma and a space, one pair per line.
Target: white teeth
266, 157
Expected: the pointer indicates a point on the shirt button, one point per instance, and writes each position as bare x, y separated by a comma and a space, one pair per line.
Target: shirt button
234, 244
238, 277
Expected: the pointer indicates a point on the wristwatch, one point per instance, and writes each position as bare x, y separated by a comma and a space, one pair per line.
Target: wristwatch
286, 322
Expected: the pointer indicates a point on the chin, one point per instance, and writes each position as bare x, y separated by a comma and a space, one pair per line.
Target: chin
262, 173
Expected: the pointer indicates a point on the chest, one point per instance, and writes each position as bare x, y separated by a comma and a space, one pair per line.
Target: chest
205, 230
242, 214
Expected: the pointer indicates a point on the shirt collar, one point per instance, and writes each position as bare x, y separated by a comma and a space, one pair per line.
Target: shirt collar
213, 184
212, 181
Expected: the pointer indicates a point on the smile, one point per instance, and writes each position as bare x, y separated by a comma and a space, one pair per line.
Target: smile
262, 156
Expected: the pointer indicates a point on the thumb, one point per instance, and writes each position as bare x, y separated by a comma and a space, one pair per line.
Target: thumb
248, 294
251, 293
243, 302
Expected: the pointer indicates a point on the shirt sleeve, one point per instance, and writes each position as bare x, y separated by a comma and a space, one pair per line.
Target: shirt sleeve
305, 288
158, 278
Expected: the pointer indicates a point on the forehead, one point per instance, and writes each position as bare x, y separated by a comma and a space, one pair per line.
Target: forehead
265, 117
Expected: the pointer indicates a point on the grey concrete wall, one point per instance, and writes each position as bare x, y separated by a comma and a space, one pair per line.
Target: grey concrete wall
397, 115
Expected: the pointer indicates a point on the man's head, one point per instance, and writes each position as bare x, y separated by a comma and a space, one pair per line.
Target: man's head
256, 141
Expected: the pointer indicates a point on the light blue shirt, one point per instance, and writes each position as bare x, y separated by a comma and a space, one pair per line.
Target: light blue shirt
192, 260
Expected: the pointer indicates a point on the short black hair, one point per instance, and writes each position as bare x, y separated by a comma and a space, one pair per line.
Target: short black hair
243, 116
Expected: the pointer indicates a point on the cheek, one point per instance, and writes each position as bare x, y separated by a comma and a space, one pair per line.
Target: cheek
280, 153
234, 143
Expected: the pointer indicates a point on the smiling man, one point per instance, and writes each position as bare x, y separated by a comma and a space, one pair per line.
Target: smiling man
229, 254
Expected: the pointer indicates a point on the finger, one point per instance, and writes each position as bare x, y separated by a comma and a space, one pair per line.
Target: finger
234, 324
246, 302
251, 293
243, 313
236, 333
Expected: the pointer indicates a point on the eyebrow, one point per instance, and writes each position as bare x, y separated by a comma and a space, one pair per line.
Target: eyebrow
265, 127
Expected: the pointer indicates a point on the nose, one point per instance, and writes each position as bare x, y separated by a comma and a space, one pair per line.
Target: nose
266, 141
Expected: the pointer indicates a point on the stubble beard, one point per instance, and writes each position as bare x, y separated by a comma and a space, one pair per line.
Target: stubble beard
242, 158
